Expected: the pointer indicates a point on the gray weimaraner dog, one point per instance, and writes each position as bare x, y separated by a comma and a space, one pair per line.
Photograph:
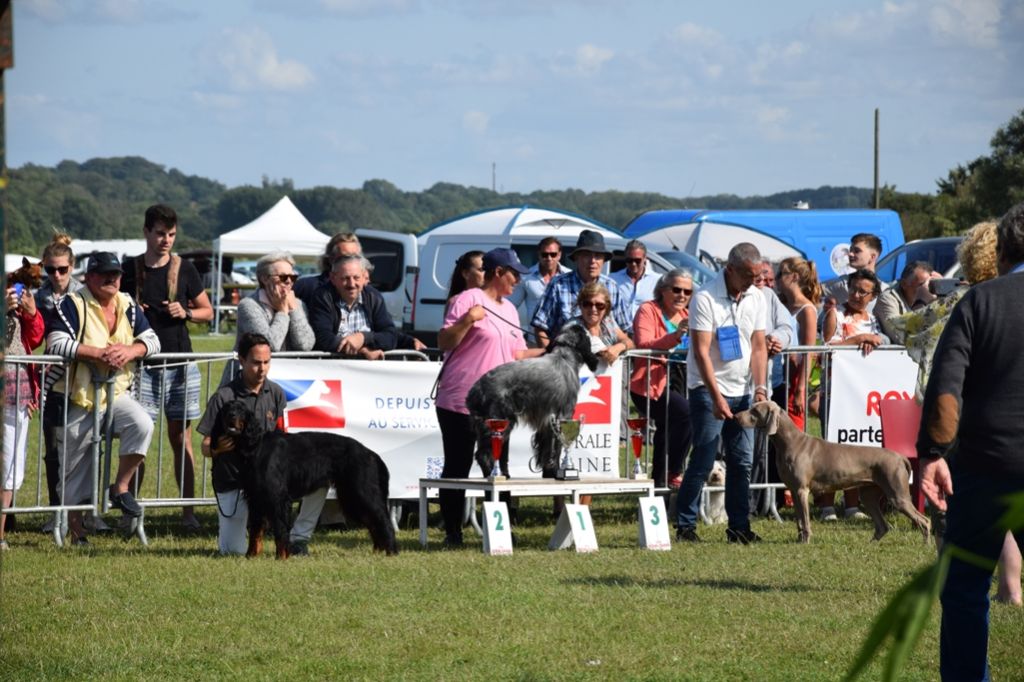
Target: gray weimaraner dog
809, 465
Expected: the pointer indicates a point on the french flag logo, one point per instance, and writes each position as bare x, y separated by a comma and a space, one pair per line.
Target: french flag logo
313, 404
595, 400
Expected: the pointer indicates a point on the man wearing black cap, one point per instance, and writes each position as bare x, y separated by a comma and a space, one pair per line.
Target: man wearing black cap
559, 303
104, 332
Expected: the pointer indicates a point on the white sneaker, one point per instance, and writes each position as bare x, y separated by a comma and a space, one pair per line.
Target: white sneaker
855, 514
828, 514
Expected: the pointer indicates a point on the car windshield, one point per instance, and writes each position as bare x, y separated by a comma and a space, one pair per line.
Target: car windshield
679, 259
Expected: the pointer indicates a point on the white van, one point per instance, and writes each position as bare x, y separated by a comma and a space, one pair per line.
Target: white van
412, 271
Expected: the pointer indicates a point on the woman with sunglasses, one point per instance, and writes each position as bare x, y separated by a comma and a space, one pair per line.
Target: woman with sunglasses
480, 332
58, 261
662, 324
273, 310
606, 339
852, 324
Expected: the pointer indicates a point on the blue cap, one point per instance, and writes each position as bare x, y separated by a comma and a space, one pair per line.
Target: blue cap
505, 258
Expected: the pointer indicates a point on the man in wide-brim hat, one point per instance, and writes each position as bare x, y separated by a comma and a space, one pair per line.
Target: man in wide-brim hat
559, 303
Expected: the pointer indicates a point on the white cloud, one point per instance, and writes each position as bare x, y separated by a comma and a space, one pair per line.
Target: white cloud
975, 22
249, 60
694, 35
475, 122
590, 58
105, 11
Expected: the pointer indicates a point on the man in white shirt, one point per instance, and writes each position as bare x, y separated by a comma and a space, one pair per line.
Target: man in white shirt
530, 291
728, 320
635, 282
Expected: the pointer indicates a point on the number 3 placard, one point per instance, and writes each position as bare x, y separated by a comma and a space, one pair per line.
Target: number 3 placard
497, 530
653, 524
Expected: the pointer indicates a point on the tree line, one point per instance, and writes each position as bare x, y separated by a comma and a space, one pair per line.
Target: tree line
105, 198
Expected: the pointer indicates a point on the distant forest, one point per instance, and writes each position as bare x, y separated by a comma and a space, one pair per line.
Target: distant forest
105, 198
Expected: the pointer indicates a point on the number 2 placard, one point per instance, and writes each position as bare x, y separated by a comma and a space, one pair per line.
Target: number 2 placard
497, 530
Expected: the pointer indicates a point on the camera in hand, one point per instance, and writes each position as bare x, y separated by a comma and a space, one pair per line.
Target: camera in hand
944, 286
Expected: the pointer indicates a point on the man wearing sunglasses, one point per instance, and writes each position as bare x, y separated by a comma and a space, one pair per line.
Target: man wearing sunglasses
530, 290
171, 294
635, 283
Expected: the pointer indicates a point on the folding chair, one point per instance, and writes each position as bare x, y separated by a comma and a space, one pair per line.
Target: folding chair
901, 420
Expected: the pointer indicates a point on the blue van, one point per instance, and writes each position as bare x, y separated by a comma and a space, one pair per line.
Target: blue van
822, 235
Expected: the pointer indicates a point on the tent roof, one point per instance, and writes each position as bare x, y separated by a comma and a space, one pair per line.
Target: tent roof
520, 221
281, 228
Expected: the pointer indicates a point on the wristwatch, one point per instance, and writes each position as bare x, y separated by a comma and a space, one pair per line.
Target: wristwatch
762, 387
188, 314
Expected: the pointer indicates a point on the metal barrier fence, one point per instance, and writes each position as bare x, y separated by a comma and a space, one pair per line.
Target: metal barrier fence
815, 372
163, 483
162, 491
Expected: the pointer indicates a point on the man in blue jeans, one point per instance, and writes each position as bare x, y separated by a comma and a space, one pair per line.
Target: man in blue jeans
728, 317
972, 428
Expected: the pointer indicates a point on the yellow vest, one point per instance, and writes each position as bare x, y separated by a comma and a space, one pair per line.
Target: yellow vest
94, 332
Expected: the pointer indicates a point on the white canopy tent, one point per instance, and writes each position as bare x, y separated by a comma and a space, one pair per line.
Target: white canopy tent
281, 228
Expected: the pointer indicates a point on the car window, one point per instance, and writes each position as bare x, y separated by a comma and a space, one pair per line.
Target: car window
388, 259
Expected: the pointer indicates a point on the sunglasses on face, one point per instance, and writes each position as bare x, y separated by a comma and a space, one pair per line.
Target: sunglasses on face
556, 254
596, 305
634, 261
285, 279
681, 290
54, 269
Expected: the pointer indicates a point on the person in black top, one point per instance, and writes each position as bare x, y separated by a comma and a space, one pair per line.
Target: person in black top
171, 293
972, 427
266, 400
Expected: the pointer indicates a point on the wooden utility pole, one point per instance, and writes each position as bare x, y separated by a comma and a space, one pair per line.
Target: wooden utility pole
494, 177
878, 202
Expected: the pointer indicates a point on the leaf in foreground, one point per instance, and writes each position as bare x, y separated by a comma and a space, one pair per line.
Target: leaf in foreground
904, 619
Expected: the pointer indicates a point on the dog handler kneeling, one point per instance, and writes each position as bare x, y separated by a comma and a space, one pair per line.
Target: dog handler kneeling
266, 400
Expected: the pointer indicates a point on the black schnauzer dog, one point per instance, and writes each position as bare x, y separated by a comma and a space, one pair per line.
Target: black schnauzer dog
278, 468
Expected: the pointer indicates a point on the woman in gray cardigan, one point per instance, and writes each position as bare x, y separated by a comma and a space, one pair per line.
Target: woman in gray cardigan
273, 310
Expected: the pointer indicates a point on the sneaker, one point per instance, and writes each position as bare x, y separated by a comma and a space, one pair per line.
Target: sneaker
855, 514
80, 542
126, 503
675, 482
828, 514
686, 534
4, 546
298, 549
744, 537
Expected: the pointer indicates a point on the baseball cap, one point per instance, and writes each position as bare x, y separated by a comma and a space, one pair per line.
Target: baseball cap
103, 262
505, 258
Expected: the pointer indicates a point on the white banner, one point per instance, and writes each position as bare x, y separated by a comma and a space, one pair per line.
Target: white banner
387, 407
859, 383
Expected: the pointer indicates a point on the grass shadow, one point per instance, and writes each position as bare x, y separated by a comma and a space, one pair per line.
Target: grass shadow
667, 583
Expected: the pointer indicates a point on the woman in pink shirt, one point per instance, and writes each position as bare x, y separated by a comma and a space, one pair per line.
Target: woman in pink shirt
480, 332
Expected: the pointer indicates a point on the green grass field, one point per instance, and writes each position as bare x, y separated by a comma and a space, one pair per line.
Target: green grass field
713, 611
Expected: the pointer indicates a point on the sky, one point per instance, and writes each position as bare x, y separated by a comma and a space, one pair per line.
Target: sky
683, 98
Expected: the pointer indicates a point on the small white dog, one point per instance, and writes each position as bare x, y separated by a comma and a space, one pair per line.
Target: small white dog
716, 499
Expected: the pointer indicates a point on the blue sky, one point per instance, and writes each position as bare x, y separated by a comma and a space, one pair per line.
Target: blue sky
674, 97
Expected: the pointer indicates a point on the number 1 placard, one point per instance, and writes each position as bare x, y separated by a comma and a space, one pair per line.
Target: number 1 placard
653, 524
497, 531
574, 527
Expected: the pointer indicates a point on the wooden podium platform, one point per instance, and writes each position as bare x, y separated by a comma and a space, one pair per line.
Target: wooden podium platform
531, 487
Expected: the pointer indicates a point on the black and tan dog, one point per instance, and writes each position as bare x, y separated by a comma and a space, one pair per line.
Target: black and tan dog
278, 468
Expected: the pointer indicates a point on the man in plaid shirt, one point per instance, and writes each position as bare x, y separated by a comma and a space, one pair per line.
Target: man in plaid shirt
559, 303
